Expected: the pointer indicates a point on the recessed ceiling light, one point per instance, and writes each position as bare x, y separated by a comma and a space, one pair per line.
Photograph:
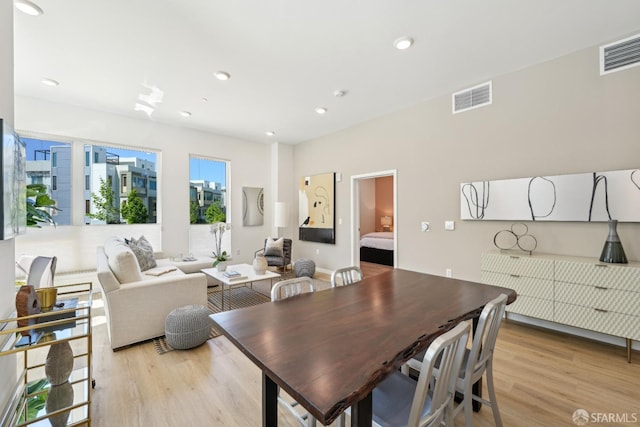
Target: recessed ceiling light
403, 43
340, 93
204, 99
185, 113
222, 75
321, 110
270, 133
49, 82
29, 7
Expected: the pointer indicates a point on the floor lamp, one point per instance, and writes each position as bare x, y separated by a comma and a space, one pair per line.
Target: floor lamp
281, 216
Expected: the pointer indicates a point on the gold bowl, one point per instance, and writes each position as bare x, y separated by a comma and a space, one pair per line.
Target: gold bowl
47, 297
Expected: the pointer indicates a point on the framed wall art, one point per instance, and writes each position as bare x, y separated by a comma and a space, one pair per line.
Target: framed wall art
589, 197
316, 210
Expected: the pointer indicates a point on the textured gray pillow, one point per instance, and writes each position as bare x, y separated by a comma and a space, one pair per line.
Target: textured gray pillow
274, 247
143, 252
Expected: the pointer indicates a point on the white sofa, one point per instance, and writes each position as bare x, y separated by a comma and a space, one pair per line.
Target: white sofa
137, 303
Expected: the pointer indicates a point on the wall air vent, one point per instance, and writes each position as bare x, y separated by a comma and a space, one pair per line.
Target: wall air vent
468, 99
620, 55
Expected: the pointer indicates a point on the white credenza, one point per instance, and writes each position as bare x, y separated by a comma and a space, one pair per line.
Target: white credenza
580, 292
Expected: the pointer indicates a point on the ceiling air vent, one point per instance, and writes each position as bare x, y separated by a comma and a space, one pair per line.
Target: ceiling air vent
620, 55
468, 99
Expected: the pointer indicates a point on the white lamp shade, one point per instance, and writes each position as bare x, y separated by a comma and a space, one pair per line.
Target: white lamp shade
385, 220
281, 214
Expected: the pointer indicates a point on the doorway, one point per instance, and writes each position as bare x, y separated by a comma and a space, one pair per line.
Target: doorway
374, 225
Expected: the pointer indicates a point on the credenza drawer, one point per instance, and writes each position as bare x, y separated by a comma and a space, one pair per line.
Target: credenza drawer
599, 297
599, 320
530, 306
518, 265
523, 285
605, 275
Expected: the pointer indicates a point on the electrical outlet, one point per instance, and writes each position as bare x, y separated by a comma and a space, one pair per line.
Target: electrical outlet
449, 225
317, 251
238, 252
425, 226
448, 272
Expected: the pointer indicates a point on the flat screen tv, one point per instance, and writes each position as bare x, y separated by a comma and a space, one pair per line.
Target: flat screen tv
13, 181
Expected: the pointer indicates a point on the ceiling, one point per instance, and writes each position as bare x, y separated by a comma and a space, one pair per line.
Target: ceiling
287, 57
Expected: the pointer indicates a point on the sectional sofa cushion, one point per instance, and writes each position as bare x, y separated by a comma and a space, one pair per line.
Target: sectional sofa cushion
122, 261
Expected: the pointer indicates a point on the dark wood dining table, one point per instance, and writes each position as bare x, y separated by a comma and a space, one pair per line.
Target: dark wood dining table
329, 349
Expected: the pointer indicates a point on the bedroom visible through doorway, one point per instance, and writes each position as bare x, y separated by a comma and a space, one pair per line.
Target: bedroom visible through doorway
374, 219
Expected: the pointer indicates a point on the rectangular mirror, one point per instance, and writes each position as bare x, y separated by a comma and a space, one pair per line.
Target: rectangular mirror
252, 206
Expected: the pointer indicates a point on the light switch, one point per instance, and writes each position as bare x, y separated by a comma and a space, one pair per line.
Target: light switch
449, 225
425, 226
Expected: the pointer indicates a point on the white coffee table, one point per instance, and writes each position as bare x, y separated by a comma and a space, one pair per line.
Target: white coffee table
247, 275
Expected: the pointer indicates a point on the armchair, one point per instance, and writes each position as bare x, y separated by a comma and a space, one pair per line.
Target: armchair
277, 252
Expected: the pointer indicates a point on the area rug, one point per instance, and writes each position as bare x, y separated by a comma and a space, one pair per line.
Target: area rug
240, 297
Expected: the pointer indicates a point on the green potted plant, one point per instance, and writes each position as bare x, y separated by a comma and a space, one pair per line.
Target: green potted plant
39, 206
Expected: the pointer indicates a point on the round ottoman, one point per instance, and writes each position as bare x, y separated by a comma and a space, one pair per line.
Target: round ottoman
304, 267
187, 327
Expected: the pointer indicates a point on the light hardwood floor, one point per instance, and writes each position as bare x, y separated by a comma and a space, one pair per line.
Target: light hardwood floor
541, 377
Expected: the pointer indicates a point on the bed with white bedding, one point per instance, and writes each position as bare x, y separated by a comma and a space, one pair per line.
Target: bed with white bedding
377, 247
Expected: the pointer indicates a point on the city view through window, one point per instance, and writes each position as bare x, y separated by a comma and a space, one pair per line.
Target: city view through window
120, 185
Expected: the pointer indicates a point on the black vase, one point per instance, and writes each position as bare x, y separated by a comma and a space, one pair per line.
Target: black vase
612, 251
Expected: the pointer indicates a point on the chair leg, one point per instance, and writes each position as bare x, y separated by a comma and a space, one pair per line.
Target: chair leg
492, 395
468, 403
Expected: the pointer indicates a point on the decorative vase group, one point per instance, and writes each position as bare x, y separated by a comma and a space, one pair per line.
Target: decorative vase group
222, 266
59, 363
27, 304
260, 264
612, 251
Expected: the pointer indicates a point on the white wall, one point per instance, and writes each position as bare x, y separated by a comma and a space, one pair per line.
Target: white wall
7, 254
555, 118
249, 167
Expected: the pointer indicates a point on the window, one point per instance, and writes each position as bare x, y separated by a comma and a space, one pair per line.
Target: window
207, 190
113, 175
87, 182
87, 207
87, 159
49, 163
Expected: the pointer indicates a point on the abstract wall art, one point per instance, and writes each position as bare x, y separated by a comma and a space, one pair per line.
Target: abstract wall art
590, 197
316, 204
252, 206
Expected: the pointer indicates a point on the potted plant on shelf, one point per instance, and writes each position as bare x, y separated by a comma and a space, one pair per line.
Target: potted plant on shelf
220, 257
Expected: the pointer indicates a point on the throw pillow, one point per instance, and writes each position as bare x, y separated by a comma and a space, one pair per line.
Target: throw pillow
143, 252
274, 247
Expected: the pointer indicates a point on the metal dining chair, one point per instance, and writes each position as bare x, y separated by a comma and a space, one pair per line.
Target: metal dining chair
346, 276
292, 287
402, 401
479, 360
280, 291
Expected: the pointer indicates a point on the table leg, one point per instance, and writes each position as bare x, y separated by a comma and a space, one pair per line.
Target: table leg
269, 402
361, 412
